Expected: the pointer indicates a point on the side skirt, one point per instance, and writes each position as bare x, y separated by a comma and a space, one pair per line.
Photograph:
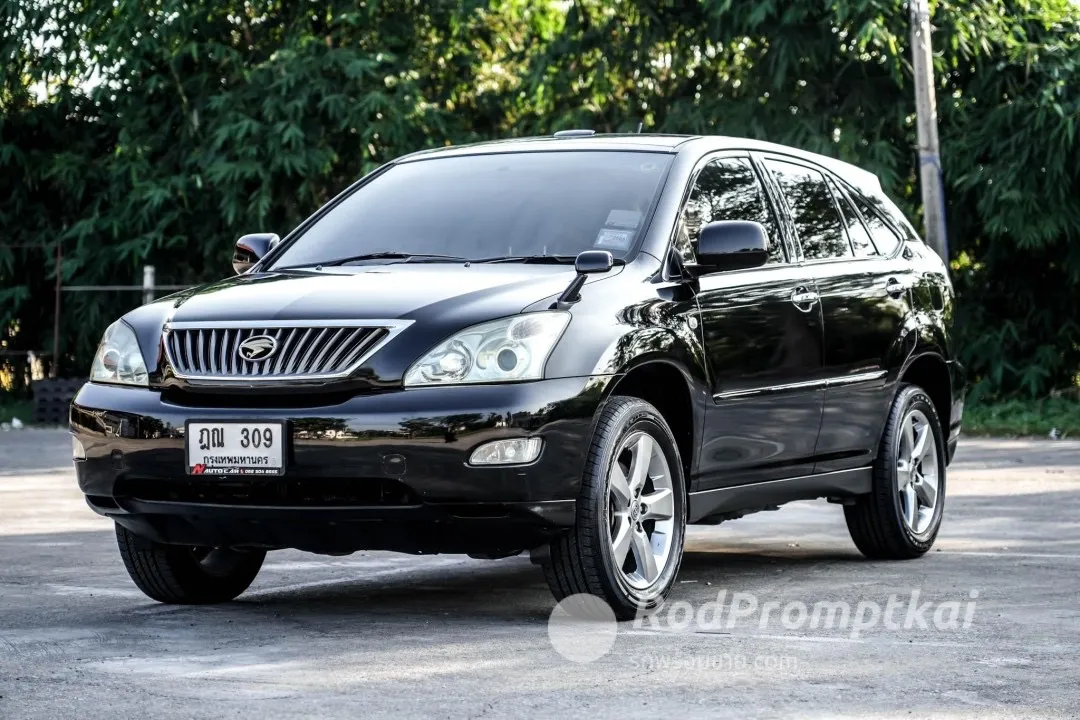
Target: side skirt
713, 506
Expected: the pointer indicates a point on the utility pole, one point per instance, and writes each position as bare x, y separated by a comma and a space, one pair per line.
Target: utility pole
933, 191
55, 369
148, 284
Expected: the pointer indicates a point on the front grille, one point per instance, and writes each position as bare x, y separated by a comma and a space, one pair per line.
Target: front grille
274, 352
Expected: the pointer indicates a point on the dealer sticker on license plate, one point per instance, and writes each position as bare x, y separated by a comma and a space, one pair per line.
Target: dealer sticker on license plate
235, 448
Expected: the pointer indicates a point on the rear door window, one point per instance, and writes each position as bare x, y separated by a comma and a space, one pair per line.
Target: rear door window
817, 220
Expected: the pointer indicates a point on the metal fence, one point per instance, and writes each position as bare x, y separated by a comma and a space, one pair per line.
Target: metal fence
33, 369
149, 288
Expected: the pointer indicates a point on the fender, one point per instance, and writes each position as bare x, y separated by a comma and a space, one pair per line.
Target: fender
640, 346
923, 340
646, 349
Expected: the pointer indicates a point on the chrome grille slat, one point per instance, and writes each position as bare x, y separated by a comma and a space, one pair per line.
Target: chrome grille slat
210, 352
311, 348
224, 353
327, 346
212, 355
245, 366
241, 364
236, 365
230, 353
291, 365
285, 347
349, 348
332, 361
187, 349
358, 352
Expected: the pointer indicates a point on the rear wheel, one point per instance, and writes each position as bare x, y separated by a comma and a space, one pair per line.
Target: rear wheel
179, 574
627, 545
901, 517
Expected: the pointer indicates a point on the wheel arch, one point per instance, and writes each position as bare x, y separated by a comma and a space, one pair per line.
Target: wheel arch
929, 371
676, 394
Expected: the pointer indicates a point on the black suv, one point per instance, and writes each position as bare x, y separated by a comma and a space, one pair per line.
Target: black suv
572, 345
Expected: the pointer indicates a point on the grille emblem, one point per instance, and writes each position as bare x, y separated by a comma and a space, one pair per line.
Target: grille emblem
259, 347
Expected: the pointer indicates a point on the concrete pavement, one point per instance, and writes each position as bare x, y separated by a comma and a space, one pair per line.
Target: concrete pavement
377, 634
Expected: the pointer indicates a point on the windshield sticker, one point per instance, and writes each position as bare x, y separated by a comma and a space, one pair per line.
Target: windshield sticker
616, 239
625, 219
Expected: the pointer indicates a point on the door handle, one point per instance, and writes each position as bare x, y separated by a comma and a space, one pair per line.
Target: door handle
802, 296
894, 287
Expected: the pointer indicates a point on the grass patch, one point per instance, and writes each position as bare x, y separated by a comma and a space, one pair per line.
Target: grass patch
22, 409
1024, 418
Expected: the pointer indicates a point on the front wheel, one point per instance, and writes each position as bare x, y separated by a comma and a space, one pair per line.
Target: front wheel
183, 575
627, 545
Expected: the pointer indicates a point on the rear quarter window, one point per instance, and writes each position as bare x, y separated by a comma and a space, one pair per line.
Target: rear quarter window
860, 238
885, 237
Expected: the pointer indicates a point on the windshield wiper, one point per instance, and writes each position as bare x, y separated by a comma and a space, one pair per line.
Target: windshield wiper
403, 257
551, 259
429, 257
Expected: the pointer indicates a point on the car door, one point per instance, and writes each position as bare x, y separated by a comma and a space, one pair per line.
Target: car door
862, 294
762, 333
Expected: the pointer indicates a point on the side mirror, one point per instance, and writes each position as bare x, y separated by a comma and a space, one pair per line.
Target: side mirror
732, 245
593, 261
250, 249
586, 263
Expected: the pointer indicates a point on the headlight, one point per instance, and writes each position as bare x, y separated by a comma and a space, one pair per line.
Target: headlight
118, 358
514, 348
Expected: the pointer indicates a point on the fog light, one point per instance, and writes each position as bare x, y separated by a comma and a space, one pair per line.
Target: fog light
507, 452
78, 452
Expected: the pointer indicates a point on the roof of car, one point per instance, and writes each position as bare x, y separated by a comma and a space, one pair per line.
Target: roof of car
637, 141
651, 142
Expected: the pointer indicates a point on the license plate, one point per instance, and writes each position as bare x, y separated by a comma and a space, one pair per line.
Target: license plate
235, 448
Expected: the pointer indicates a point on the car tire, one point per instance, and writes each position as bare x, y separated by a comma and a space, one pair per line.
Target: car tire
627, 544
900, 518
183, 575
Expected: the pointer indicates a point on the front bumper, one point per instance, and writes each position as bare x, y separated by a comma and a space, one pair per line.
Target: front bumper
379, 471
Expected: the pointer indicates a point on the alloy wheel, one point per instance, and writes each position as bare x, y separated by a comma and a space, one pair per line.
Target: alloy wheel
641, 510
917, 472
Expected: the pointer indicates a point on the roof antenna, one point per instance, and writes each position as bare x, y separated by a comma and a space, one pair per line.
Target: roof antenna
640, 124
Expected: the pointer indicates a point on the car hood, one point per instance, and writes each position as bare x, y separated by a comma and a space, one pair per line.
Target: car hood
384, 292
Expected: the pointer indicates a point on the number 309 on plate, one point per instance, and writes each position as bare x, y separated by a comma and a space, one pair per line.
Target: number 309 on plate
235, 448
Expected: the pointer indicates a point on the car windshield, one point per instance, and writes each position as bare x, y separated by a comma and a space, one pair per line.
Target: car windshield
509, 206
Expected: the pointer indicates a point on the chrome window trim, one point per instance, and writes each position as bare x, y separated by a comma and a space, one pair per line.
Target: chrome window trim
393, 327
804, 385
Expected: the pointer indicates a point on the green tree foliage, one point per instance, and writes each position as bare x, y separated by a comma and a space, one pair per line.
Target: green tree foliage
138, 132
834, 78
